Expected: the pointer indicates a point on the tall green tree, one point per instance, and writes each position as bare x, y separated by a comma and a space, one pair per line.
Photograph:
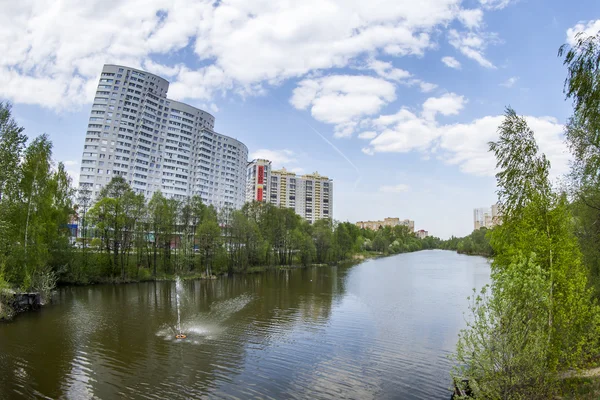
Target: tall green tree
112, 216
582, 133
536, 231
209, 241
322, 235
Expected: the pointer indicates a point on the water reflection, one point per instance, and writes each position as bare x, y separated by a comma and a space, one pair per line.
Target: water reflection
380, 329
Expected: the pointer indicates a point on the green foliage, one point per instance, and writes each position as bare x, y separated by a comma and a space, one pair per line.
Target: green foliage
582, 84
392, 240
35, 206
504, 348
540, 319
582, 133
4, 285
477, 243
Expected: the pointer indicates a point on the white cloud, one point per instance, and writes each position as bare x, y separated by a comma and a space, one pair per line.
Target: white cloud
342, 100
427, 87
591, 28
510, 82
472, 19
241, 46
496, 4
199, 84
448, 104
400, 188
298, 170
451, 62
406, 131
72, 168
472, 45
367, 135
278, 157
464, 145
162, 70
386, 70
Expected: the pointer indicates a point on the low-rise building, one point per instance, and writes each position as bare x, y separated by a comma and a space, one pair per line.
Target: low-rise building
421, 234
391, 222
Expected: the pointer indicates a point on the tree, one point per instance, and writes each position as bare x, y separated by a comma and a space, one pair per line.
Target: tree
504, 348
162, 213
343, 239
12, 144
322, 234
209, 240
84, 199
536, 232
583, 137
112, 216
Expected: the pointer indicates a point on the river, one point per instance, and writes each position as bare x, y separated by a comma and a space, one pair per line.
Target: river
381, 329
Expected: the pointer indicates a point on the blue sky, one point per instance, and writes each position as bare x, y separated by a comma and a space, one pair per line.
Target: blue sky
393, 99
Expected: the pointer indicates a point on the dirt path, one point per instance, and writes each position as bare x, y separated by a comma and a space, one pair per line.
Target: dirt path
588, 373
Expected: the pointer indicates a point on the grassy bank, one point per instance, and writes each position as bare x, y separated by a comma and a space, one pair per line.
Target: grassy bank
580, 388
137, 275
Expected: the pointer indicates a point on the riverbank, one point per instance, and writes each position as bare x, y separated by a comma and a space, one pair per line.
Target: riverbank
13, 303
8, 312
146, 276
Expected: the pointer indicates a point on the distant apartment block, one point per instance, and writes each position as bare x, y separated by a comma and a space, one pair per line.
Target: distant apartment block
310, 196
158, 144
421, 234
375, 225
258, 176
487, 217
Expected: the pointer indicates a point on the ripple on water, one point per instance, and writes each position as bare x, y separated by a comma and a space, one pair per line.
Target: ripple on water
205, 326
380, 330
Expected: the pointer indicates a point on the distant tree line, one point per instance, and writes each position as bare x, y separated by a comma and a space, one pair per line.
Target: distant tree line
477, 243
124, 237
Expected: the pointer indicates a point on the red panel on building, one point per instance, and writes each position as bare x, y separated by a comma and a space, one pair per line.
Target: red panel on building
259, 194
261, 173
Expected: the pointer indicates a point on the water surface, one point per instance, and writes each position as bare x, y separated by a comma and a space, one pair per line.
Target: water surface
381, 329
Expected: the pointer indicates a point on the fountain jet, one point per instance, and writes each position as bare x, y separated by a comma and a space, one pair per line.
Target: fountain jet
178, 289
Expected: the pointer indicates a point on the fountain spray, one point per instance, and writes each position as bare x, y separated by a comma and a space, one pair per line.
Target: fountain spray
178, 289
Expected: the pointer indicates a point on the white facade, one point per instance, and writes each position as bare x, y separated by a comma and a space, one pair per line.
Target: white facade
158, 144
310, 196
487, 217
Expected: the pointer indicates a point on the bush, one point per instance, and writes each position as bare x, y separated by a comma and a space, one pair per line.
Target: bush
44, 282
504, 350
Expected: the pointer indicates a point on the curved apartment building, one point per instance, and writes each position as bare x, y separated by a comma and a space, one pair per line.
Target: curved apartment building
158, 144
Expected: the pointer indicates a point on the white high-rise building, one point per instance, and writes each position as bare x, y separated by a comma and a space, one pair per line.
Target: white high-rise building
487, 217
158, 144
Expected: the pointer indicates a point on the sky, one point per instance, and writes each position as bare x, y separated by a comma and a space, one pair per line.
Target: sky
395, 100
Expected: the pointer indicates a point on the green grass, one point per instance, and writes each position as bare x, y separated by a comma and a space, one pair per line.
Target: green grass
580, 388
